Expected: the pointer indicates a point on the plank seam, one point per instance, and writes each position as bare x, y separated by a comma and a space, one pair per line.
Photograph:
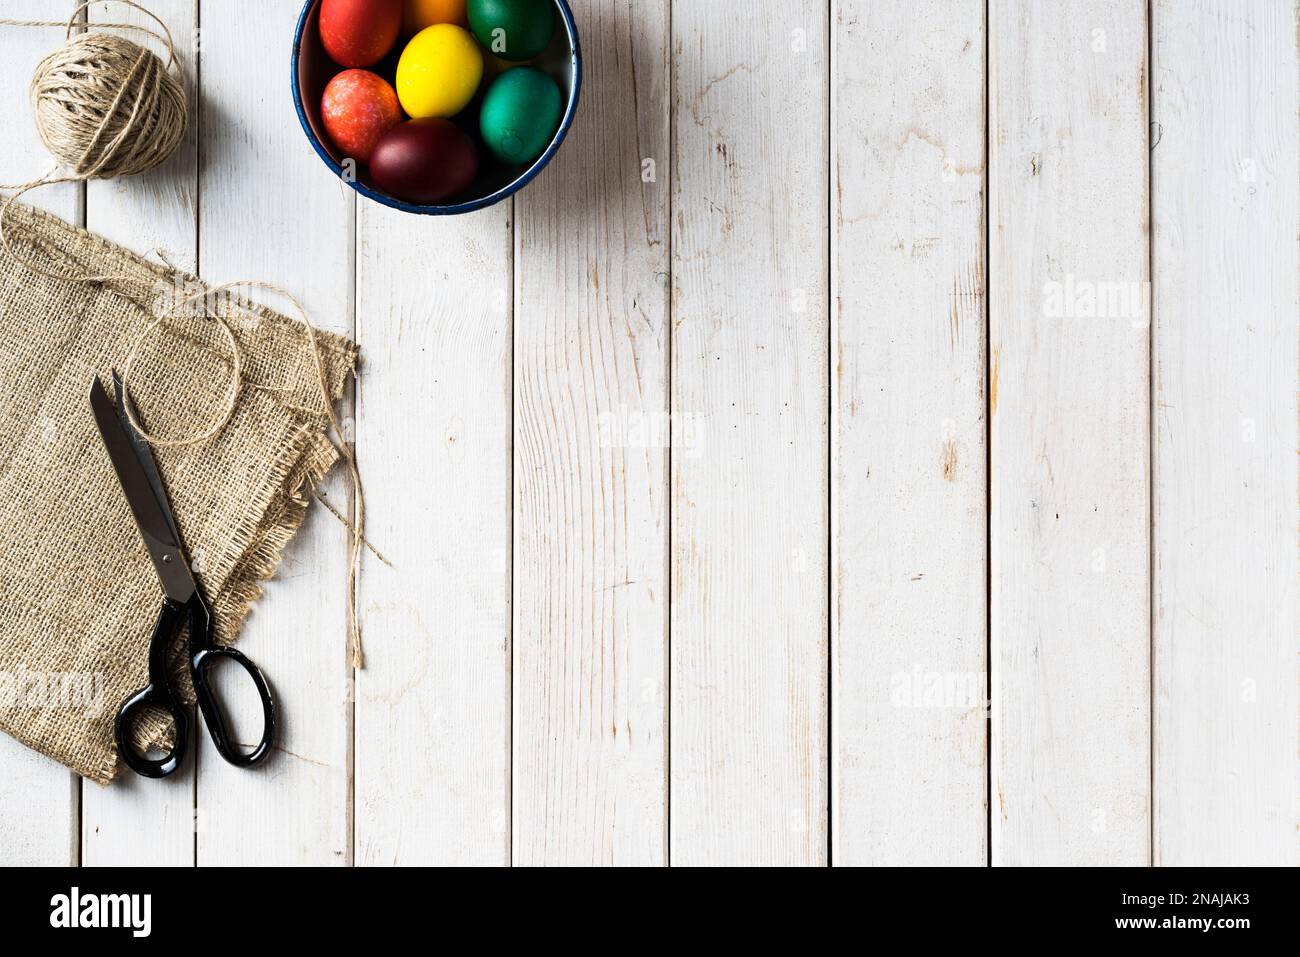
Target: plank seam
833, 328
988, 455
514, 557
1151, 452
668, 483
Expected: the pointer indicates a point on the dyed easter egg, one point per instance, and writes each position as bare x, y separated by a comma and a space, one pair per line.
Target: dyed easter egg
521, 113
512, 29
424, 160
358, 33
357, 109
418, 14
439, 71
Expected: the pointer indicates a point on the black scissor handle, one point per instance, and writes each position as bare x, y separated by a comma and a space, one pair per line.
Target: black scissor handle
157, 694
201, 662
203, 653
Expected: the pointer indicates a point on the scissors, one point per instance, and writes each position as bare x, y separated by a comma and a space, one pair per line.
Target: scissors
182, 599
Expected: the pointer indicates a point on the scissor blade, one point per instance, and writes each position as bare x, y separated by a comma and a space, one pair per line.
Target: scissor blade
142, 451
152, 515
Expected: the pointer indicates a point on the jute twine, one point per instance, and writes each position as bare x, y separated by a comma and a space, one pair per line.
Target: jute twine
107, 107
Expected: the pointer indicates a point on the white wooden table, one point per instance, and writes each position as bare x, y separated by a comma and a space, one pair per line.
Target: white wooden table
854, 363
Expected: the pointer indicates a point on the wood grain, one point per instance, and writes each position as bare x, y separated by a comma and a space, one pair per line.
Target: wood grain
1227, 282
39, 800
155, 214
908, 635
271, 210
1069, 391
590, 464
434, 411
750, 484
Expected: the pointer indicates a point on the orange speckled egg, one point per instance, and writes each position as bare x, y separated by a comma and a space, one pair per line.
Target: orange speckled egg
358, 108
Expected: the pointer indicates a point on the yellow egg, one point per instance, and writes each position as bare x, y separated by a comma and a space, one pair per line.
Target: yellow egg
439, 71
418, 14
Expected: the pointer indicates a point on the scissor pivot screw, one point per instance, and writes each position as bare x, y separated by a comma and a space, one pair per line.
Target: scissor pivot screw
167, 558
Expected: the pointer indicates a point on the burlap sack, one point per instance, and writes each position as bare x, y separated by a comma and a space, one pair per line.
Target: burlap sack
78, 595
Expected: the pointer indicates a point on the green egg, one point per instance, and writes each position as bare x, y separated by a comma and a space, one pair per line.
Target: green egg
512, 29
521, 113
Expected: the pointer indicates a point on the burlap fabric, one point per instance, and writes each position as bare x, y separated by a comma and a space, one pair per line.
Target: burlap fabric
78, 595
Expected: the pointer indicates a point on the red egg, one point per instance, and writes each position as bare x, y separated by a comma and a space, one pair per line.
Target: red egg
358, 108
424, 161
359, 33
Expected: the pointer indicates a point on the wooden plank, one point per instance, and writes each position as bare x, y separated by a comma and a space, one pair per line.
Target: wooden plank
750, 483
590, 464
39, 800
154, 213
1227, 282
270, 210
1069, 534
909, 510
433, 437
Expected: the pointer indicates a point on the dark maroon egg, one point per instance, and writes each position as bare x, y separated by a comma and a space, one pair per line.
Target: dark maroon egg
424, 160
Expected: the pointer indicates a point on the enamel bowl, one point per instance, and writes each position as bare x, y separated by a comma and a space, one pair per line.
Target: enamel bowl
312, 69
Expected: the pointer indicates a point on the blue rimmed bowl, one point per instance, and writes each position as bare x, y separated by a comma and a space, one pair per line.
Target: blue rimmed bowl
312, 69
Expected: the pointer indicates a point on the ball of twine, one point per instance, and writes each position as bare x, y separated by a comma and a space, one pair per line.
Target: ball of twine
106, 106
